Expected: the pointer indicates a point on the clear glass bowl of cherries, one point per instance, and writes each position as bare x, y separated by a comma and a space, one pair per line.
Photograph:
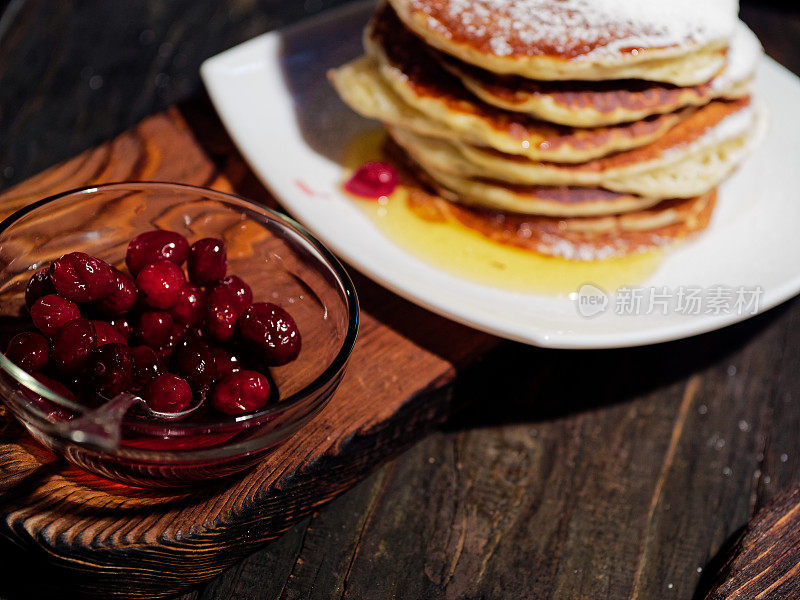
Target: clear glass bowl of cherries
159, 335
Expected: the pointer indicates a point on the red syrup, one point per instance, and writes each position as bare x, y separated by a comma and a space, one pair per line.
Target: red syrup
374, 180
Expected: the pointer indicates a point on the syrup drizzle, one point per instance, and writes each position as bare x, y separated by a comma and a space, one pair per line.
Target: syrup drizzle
449, 245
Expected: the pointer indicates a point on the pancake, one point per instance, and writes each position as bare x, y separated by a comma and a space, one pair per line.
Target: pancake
593, 238
593, 104
362, 88
360, 84
576, 238
680, 41
421, 83
551, 201
691, 159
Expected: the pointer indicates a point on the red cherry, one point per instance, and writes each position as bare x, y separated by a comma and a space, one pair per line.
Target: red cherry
39, 285
240, 393
190, 307
221, 319
161, 283
73, 345
106, 333
146, 366
226, 363
123, 298
151, 246
194, 360
123, 325
111, 369
52, 411
208, 261
29, 351
82, 278
154, 328
168, 393
272, 330
176, 334
373, 180
234, 291
50, 313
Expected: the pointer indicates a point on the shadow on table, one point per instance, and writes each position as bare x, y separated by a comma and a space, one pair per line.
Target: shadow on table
526, 384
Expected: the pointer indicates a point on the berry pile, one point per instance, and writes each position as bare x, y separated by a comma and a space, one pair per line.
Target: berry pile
102, 331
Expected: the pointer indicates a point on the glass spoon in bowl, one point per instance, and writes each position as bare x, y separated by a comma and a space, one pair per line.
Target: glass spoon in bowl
102, 426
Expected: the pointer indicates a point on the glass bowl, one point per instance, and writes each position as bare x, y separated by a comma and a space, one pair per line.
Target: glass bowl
280, 260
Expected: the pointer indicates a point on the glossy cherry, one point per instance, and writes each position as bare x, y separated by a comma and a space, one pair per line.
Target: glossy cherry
111, 369
240, 393
194, 360
154, 328
231, 290
190, 306
123, 325
208, 261
168, 393
146, 366
373, 180
52, 411
226, 363
272, 330
221, 318
161, 283
123, 297
39, 285
106, 333
51, 312
150, 246
73, 345
176, 334
82, 278
29, 350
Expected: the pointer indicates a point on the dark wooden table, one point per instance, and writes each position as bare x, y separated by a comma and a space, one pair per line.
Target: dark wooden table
617, 474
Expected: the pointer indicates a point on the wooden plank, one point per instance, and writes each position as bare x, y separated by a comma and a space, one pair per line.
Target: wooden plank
105, 540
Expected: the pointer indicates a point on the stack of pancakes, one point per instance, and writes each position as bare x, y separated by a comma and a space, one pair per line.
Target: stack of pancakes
579, 128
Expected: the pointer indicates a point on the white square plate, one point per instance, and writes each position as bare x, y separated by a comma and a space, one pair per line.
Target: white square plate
275, 100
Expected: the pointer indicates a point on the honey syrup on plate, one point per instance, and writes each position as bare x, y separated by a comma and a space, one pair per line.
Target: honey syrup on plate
443, 241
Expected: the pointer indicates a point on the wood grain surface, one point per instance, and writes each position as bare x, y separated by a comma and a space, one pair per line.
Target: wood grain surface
765, 561
623, 474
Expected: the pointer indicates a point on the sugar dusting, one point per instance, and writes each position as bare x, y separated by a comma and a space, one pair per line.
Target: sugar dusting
580, 28
743, 56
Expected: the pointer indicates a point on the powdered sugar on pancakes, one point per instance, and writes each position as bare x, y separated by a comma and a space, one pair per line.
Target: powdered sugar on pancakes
579, 29
744, 54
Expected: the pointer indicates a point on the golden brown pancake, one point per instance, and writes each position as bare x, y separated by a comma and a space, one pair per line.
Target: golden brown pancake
580, 238
593, 104
685, 133
680, 41
552, 201
425, 85
588, 238
694, 161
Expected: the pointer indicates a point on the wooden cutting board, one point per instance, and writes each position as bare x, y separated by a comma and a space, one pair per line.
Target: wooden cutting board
100, 539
